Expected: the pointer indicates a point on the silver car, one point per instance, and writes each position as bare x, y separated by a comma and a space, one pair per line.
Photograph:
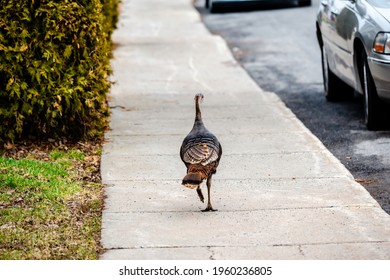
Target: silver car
354, 37
214, 4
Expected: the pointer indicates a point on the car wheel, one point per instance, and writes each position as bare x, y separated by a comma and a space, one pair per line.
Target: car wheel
304, 3
372, 103
331, 82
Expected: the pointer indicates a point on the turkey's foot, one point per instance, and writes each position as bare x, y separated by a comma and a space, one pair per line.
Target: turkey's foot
199, 191
209, 208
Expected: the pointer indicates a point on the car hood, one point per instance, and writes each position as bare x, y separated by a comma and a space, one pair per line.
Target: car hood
385, 12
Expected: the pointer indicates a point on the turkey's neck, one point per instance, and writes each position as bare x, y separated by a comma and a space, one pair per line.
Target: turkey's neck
198, 114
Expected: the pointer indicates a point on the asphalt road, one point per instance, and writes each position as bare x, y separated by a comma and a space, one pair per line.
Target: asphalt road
277, 46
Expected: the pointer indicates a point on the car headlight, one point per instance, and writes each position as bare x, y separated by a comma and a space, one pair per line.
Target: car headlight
382, 43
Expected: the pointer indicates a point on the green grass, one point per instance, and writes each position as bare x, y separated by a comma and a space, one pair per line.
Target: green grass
48, 208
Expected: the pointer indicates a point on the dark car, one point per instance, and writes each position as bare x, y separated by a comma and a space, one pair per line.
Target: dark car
354, 37
214, 4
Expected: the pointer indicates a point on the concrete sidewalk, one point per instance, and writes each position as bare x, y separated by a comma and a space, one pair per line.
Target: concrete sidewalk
279, 192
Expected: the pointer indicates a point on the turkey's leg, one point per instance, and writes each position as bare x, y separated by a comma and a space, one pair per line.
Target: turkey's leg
209, 207
199, 191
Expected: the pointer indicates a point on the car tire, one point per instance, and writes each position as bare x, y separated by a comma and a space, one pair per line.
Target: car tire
373, 106
207, 3
304, 3
332, 84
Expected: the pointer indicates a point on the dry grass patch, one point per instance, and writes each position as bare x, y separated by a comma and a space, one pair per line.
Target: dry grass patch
51, 199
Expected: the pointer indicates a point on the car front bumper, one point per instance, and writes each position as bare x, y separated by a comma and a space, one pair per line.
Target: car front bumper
380, 71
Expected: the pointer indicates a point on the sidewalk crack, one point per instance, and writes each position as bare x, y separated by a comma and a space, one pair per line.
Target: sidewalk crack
212, 253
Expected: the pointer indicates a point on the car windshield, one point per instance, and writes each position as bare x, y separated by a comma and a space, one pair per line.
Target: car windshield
380, 3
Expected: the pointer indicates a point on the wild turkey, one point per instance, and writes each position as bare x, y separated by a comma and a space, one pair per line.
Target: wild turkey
200, 152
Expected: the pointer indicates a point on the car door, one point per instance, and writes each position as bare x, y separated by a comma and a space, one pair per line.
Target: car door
342, 22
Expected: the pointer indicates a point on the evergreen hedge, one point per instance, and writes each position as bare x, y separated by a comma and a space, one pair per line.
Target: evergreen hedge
54, 65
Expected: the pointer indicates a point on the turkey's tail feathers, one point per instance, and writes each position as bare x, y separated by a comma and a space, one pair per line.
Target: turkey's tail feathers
192, 180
